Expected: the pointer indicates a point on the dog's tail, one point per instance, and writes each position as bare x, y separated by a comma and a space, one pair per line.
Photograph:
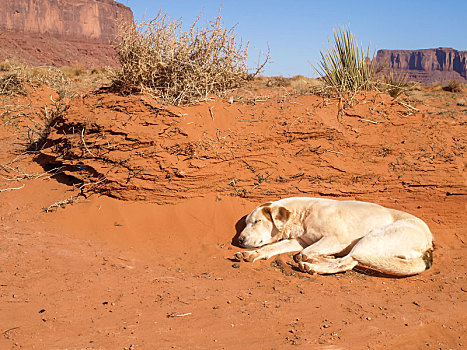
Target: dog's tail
397, 266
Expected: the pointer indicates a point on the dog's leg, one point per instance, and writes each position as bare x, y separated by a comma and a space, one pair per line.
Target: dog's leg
327, 266
285, 246
325, 246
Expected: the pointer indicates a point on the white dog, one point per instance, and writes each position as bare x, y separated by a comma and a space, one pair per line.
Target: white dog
358, 233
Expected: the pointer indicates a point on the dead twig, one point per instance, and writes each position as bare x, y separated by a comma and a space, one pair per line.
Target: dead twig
369, 121
174, 314
406, 105
361, 118
12, 189
330, 150
84, 143
210, 112
61, 204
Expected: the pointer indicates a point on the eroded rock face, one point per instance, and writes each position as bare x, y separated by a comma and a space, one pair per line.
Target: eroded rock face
61, 32
428, 65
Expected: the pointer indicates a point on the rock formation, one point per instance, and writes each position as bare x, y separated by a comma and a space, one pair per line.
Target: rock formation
428, 65
61, 32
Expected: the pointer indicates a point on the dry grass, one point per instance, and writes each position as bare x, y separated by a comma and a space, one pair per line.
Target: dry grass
454, 86
66, 81
180, 66
74, 71
299, 83
304, 85
394, 83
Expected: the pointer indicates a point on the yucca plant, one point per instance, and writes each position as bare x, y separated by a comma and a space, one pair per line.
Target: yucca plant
346, 66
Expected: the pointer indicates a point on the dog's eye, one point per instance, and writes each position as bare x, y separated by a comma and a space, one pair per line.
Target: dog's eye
256, 221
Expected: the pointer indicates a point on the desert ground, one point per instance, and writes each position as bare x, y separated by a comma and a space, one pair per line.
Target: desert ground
117, 229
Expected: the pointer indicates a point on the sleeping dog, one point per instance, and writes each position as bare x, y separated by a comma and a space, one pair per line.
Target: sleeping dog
335, 236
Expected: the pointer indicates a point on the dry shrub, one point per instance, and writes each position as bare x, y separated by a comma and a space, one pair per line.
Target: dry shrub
180, 66
304, 85
19, 75
278, 81
437, 86
50, 76
9, 65
454, 86
39, 130
98, 71
12, 83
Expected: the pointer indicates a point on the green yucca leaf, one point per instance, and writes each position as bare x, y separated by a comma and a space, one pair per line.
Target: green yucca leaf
346, 66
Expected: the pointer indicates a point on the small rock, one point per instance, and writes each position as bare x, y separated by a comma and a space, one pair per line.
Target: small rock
236, 266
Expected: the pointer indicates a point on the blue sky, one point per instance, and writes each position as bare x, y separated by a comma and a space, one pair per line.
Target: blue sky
297, 30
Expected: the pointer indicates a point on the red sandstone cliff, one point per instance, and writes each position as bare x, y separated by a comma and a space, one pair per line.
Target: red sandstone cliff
428, 65
60, 32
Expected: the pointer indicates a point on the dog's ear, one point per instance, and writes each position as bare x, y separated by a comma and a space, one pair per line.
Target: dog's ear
278, 215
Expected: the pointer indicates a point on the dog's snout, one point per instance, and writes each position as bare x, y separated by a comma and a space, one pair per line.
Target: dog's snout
241, 240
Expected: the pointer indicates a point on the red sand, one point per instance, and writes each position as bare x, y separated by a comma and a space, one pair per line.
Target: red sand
110, 273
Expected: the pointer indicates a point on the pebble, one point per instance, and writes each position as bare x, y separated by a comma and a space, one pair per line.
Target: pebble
236, 266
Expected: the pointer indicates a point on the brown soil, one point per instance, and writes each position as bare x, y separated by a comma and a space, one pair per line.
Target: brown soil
141, 259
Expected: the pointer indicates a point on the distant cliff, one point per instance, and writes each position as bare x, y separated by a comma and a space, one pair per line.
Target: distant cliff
427, 65
61, 32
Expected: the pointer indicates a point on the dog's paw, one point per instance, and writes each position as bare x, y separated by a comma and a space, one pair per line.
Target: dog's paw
303, 257
306, 267
299, 258
249, 256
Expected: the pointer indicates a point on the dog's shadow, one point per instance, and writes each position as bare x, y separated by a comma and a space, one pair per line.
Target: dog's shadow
239, 226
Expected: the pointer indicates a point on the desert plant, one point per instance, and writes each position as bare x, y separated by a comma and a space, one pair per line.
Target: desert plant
278, 81
180, 66
39, 129
12, 83
74, 71
50, 76
346, 66
304, 85
437, 85
394, 83
454, 86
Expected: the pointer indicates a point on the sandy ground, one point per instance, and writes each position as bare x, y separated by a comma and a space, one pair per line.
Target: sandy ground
143, 259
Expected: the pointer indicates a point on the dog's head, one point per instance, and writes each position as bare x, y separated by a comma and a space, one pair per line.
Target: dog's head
264, 225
